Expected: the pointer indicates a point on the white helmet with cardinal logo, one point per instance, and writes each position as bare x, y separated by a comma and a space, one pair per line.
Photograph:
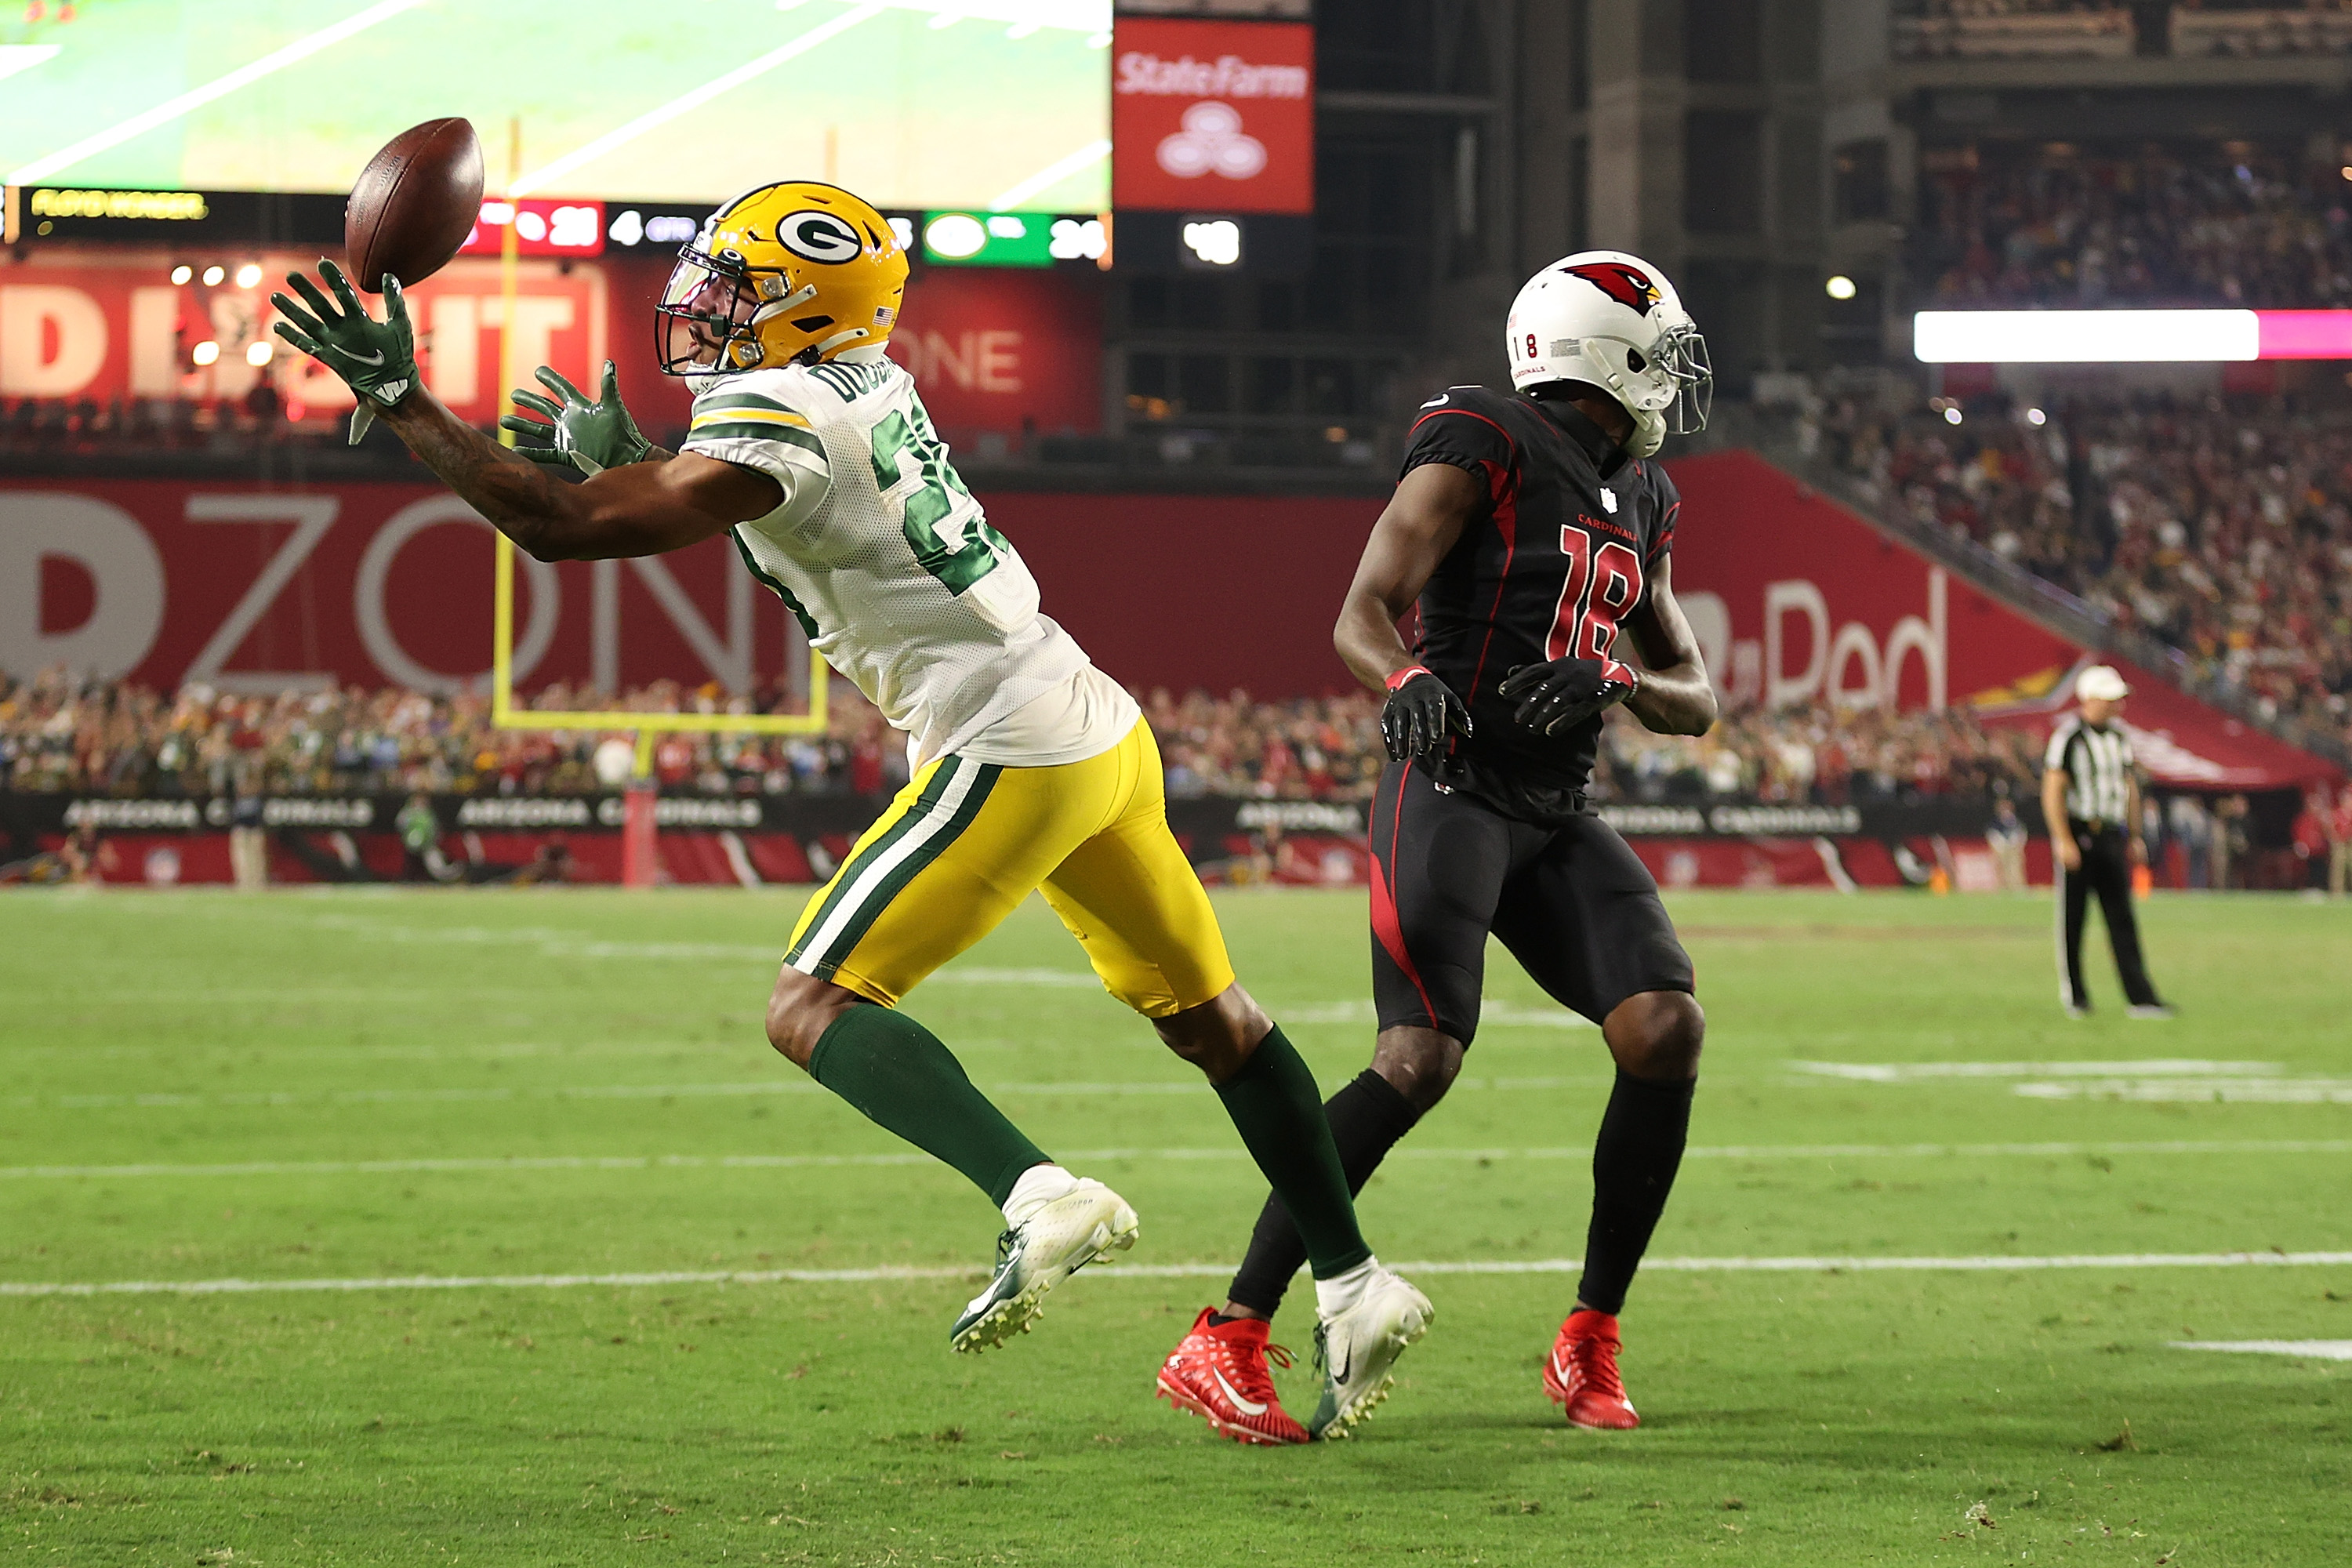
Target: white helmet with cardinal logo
1611, 320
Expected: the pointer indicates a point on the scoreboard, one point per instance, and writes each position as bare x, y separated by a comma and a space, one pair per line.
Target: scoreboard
915, 104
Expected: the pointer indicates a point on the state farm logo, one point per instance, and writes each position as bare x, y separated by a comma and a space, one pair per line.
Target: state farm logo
1230, 75
1212, 113
1213, 138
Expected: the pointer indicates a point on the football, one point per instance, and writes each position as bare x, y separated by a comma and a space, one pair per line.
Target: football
413, 203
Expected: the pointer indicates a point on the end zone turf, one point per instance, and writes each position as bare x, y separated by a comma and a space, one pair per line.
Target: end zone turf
347, 1087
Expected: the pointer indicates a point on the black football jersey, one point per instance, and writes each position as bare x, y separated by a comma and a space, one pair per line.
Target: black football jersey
1559, 551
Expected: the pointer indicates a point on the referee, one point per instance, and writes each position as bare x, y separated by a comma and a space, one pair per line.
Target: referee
2090, 798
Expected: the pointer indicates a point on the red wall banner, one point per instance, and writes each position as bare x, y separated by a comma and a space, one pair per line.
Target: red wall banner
113, 324
1213, 116
1793, 600
991, 349
1796, 600
256, 588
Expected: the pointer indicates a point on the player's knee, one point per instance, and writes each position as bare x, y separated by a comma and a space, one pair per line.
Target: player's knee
1419, 1064
1217, 1036
800, 1010
1658, 1035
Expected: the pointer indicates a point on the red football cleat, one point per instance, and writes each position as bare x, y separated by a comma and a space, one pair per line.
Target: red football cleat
1219, 1374
1580, 1374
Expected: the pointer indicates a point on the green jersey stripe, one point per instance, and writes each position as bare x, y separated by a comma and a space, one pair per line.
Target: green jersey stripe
800, 613
749, 430
858, 864
719, 401
870, 907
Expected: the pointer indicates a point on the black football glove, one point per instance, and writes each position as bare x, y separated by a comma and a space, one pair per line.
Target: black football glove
1420, 713
1555, 697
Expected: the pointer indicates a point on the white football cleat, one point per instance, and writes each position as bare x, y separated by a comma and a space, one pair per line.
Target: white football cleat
1357, 1350
1046, 1248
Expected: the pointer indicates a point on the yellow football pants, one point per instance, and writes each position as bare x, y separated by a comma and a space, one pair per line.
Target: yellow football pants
965, 842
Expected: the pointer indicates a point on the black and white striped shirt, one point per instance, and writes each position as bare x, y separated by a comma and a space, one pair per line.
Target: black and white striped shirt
2097, 762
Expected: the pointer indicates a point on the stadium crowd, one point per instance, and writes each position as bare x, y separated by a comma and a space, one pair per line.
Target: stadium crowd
2226, 224
2221, 526
61, 735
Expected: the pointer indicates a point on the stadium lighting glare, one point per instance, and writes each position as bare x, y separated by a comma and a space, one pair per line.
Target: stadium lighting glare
1952, 414
688, 102
249, 275
302, 48
955, 236
1053, 174
1217, 242
2035, 416
2113, 337
205, 352
213, 275
259, 352
182, 272
1839, 286
2084, 337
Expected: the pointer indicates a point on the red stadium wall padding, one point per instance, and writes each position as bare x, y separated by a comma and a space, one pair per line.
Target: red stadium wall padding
699, 858
388, 583
1792, 599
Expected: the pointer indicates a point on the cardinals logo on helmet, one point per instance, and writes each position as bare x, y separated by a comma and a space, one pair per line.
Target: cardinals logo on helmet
1621, 283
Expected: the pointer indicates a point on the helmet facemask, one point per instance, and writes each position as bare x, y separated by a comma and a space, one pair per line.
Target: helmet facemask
711, 311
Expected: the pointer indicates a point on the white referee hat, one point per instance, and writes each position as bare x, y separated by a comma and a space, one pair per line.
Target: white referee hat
2101, 682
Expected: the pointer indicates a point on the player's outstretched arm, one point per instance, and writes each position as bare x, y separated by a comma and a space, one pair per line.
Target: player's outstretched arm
643, 509
1675, 697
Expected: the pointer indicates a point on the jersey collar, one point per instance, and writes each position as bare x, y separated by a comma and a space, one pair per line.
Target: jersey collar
1607, 455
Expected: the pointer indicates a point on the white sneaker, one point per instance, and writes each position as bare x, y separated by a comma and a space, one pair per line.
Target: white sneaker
2148, 1010
1358, 1349
1046, 1248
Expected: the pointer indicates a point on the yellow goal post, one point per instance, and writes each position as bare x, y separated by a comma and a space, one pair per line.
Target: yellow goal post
507, 714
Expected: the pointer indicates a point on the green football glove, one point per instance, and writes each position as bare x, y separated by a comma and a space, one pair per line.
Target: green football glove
377, 360
591, 437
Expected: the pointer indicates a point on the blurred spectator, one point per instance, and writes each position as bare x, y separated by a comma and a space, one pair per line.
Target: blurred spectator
2006, 839
57, 734
2222, 527
2214, 223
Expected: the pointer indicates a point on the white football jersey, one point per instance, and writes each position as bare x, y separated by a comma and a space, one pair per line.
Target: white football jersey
886, 560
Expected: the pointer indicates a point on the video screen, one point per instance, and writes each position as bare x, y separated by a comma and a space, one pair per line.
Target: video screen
911, 103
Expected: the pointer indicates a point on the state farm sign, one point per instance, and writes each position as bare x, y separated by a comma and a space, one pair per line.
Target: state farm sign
1213, 116
115, 325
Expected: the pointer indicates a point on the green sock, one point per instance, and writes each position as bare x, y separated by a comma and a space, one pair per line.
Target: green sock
902, 1078
1279, 1114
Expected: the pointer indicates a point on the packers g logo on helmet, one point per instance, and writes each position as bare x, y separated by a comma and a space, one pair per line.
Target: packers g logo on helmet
820, 237
789, 273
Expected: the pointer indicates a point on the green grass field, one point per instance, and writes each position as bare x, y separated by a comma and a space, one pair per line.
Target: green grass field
354, 1086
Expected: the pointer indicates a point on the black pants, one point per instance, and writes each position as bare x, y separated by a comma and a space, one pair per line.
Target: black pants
2106, 871
1573, 903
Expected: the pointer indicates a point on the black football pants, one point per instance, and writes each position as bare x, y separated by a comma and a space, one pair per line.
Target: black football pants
2106, 871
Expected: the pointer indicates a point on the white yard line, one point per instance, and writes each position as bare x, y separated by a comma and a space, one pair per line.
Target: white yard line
2177, 1091
2315, 1350
461, 1163
234, 1287
646, 1091
1911, 1072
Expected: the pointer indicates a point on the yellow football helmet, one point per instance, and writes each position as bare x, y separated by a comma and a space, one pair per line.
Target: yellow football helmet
789, 273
